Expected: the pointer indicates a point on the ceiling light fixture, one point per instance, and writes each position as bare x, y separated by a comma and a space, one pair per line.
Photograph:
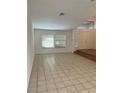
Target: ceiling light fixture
61, 14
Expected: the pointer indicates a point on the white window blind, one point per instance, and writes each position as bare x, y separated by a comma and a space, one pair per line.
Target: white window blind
60, 41
48, 41
53, 41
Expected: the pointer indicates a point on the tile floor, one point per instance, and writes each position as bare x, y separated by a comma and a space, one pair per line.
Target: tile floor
62, 73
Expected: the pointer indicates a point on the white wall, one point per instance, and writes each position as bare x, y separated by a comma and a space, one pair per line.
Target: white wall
85, 39
75, 40
30, 43
94, 39
39, 49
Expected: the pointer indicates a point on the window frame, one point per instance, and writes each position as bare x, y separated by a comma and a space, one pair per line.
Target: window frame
41, 44
41, 40
61, 40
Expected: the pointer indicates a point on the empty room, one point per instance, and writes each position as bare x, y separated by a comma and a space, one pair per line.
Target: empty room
61, 46
52, 46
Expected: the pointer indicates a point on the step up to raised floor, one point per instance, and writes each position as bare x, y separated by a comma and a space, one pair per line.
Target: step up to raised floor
88, 53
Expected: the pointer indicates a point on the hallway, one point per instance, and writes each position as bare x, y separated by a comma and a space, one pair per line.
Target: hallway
62, 73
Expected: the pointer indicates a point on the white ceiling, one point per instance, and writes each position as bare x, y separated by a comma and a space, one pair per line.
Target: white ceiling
45, 13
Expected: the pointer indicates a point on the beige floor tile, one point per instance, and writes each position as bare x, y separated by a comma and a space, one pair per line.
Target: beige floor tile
51, 86
57, 80
75, 81
52, 91
93, 83
43, 92
60, 85
41, 88
62, 73
62, 90
80, 87
85, 91
72, 89
92, 90
68, 83
87, 85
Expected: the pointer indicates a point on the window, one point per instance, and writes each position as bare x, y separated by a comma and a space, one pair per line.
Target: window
60, 41
47, 41
53, 41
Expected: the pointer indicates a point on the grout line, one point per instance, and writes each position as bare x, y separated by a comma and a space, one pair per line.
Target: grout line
78, 80
44, 75
59, 64
37, 74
